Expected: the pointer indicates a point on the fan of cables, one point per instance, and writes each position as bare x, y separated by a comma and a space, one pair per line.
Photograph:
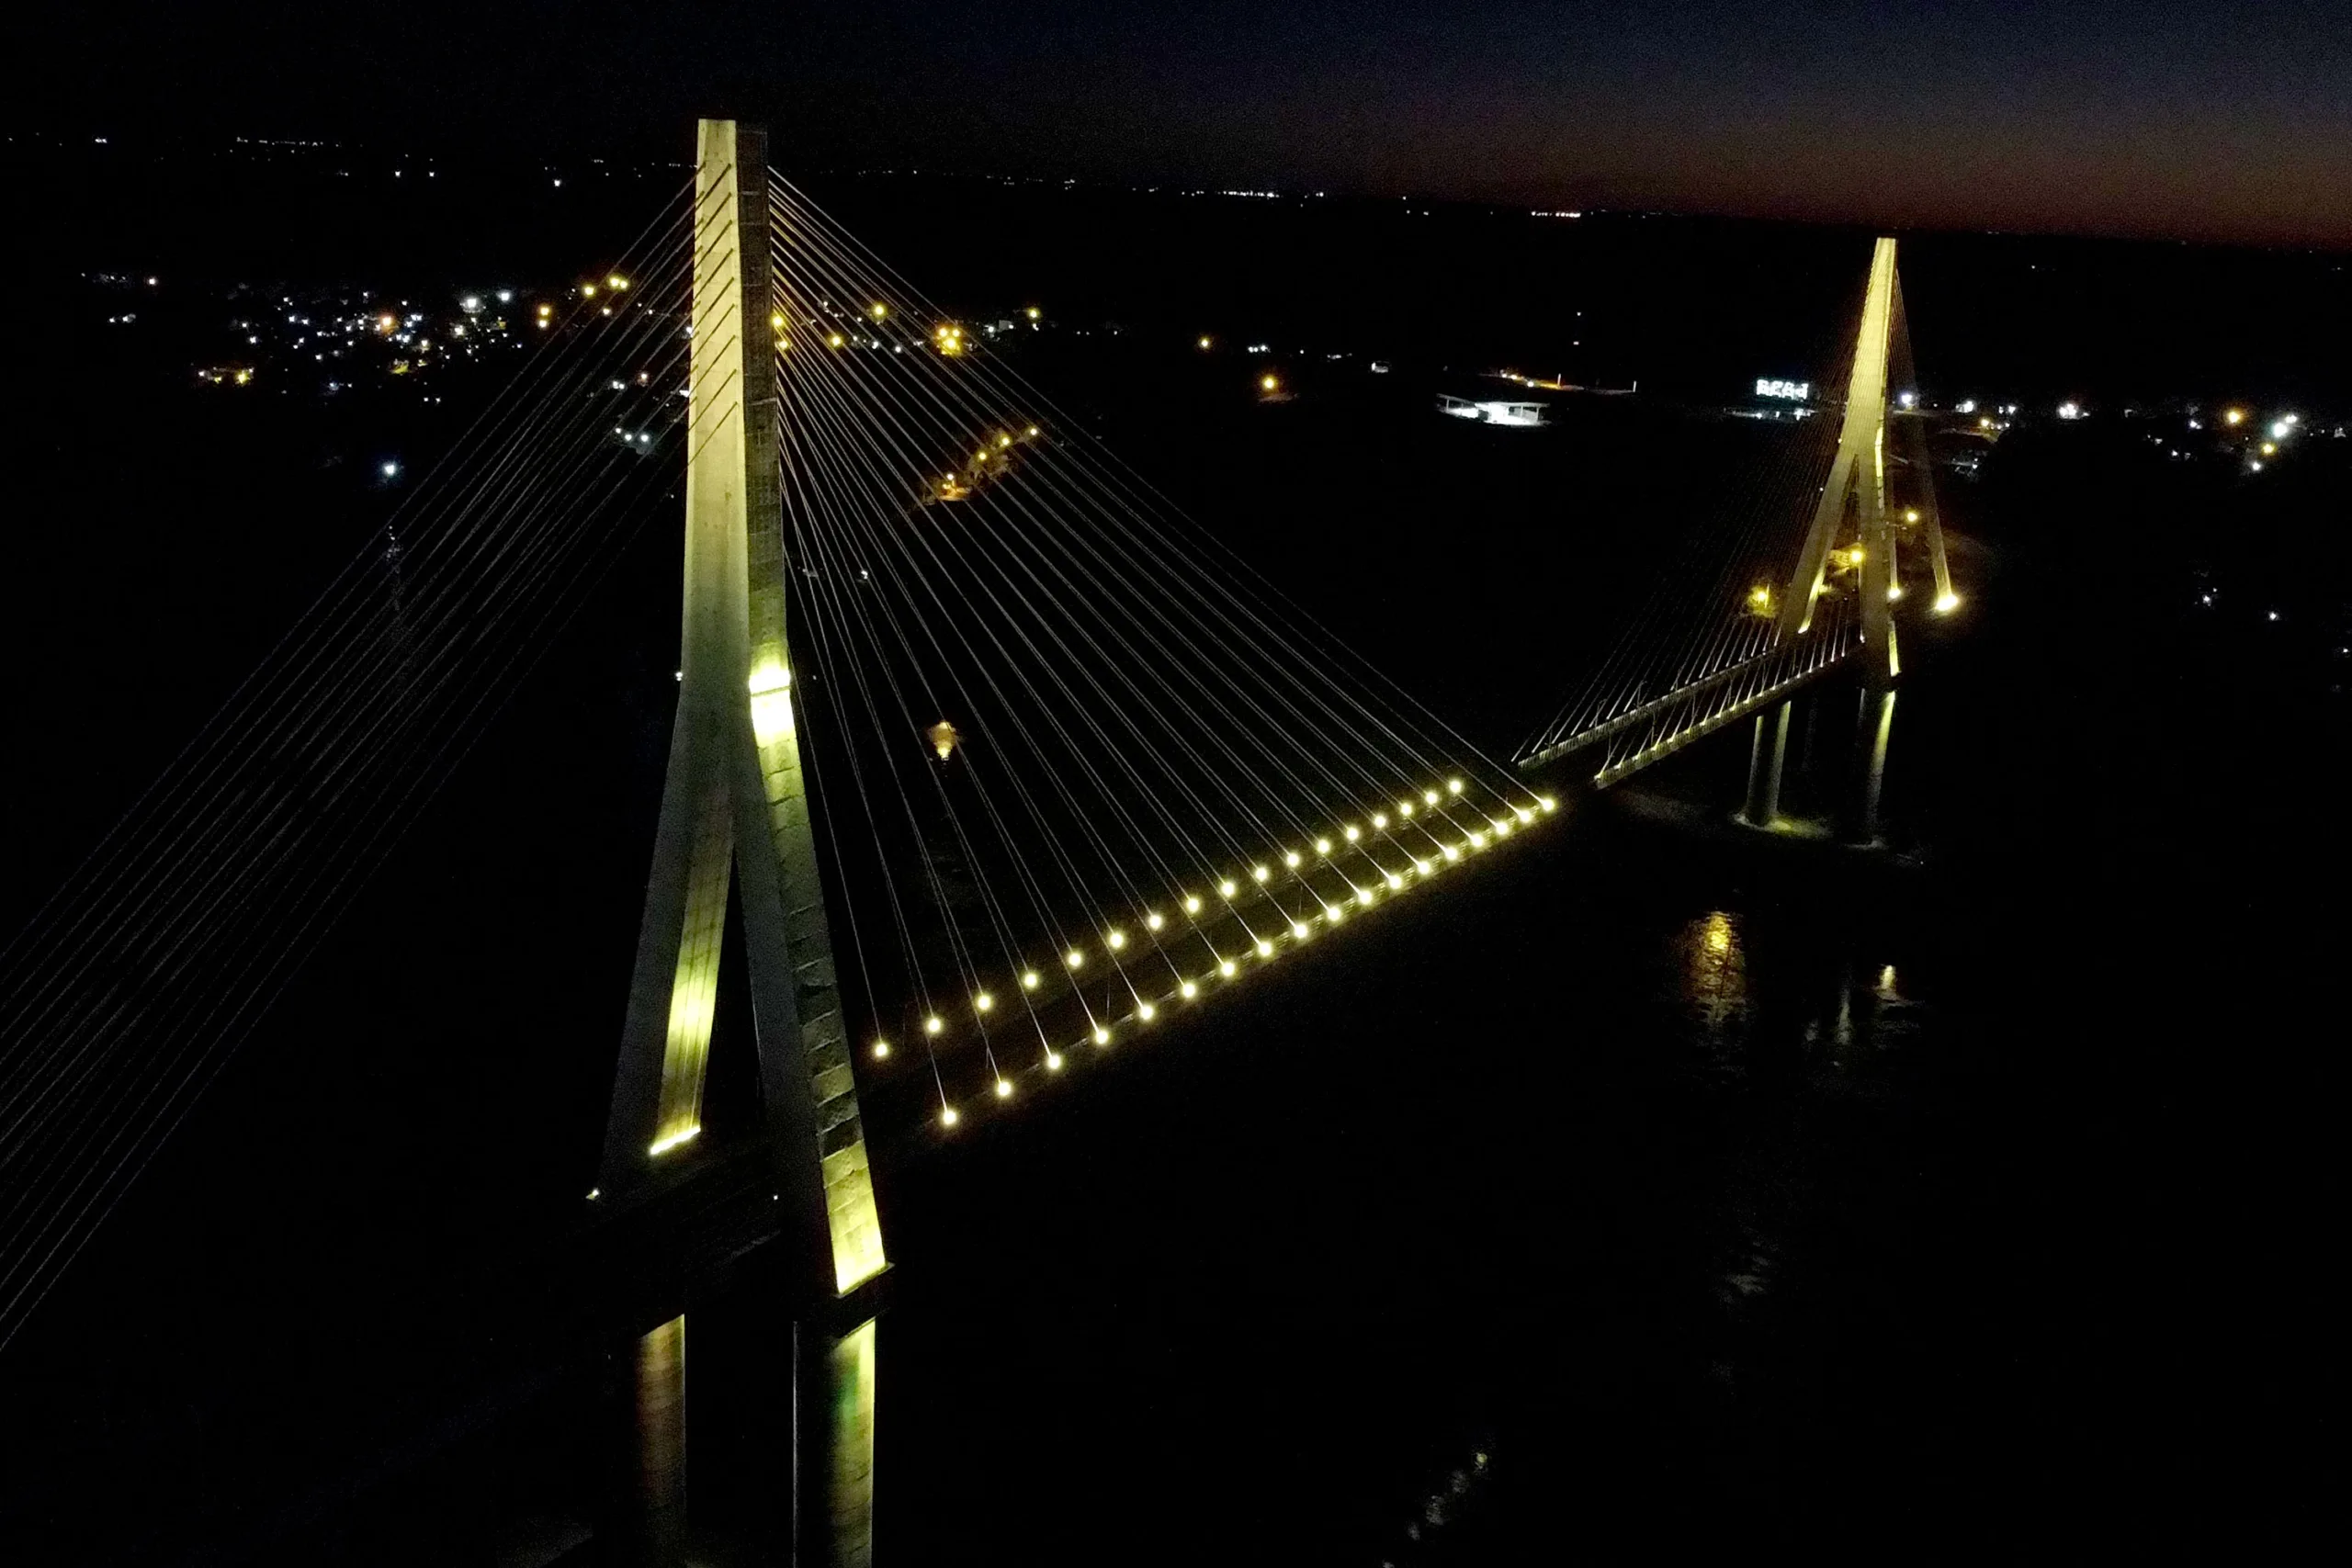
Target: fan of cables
1079, 768
128, 992
1704, 648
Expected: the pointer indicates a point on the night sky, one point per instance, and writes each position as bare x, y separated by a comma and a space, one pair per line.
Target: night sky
2192, 119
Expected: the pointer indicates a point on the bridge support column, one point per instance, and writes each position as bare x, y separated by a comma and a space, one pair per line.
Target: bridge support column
735, 794
835, 1485
1765, 760
1875, 726
645, 1509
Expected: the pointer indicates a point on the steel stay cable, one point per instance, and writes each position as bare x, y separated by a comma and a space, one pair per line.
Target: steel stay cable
1121, 478
419, 608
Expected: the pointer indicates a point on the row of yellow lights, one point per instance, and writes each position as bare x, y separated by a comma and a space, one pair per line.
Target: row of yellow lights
1301, 929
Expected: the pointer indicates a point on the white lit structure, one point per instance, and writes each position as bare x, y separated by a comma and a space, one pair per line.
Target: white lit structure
1493, 410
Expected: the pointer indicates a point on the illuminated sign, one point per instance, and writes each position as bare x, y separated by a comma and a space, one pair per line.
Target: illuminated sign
1795, 391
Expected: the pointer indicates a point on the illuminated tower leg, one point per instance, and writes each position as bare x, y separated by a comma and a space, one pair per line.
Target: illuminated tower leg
1856, 485
1764, 760
656, 1520
735, 792
1877, 726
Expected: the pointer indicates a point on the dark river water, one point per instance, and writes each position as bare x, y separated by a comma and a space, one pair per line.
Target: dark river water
1649, 1187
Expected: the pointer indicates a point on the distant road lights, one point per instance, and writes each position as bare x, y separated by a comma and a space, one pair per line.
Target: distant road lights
878, 309
1188, 991
1115, 940
1322, 846
1380, 819
1205, 342
1033, 312
616, 282
1299, 931
1270, 383
1030, 980
1145, 1012
833, 340
1910, 514
1192, 904
1153, 921
1394, 881
1102, 1034
1053, 1061
933, 1024
1228, 888
2233, 416
983, 1001
1428, 797
1454, 787
1352, 832
947, 1117
1003, 1089
1227, 968
881, 1050
506, 296
1910, 399
1405, 806
389, 468
2279, 428
2270, 449
1260, 872
1265, 948
1549, 803
1075, 958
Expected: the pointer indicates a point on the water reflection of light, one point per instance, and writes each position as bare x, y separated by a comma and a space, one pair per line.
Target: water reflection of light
1715, 968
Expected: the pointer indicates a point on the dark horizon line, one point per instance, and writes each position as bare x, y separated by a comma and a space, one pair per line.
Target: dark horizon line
637, 150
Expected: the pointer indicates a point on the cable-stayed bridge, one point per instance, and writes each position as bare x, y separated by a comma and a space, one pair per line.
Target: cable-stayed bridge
1752, 614
994, 758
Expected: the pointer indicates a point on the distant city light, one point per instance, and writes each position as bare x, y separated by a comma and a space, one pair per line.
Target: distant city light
389, 469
